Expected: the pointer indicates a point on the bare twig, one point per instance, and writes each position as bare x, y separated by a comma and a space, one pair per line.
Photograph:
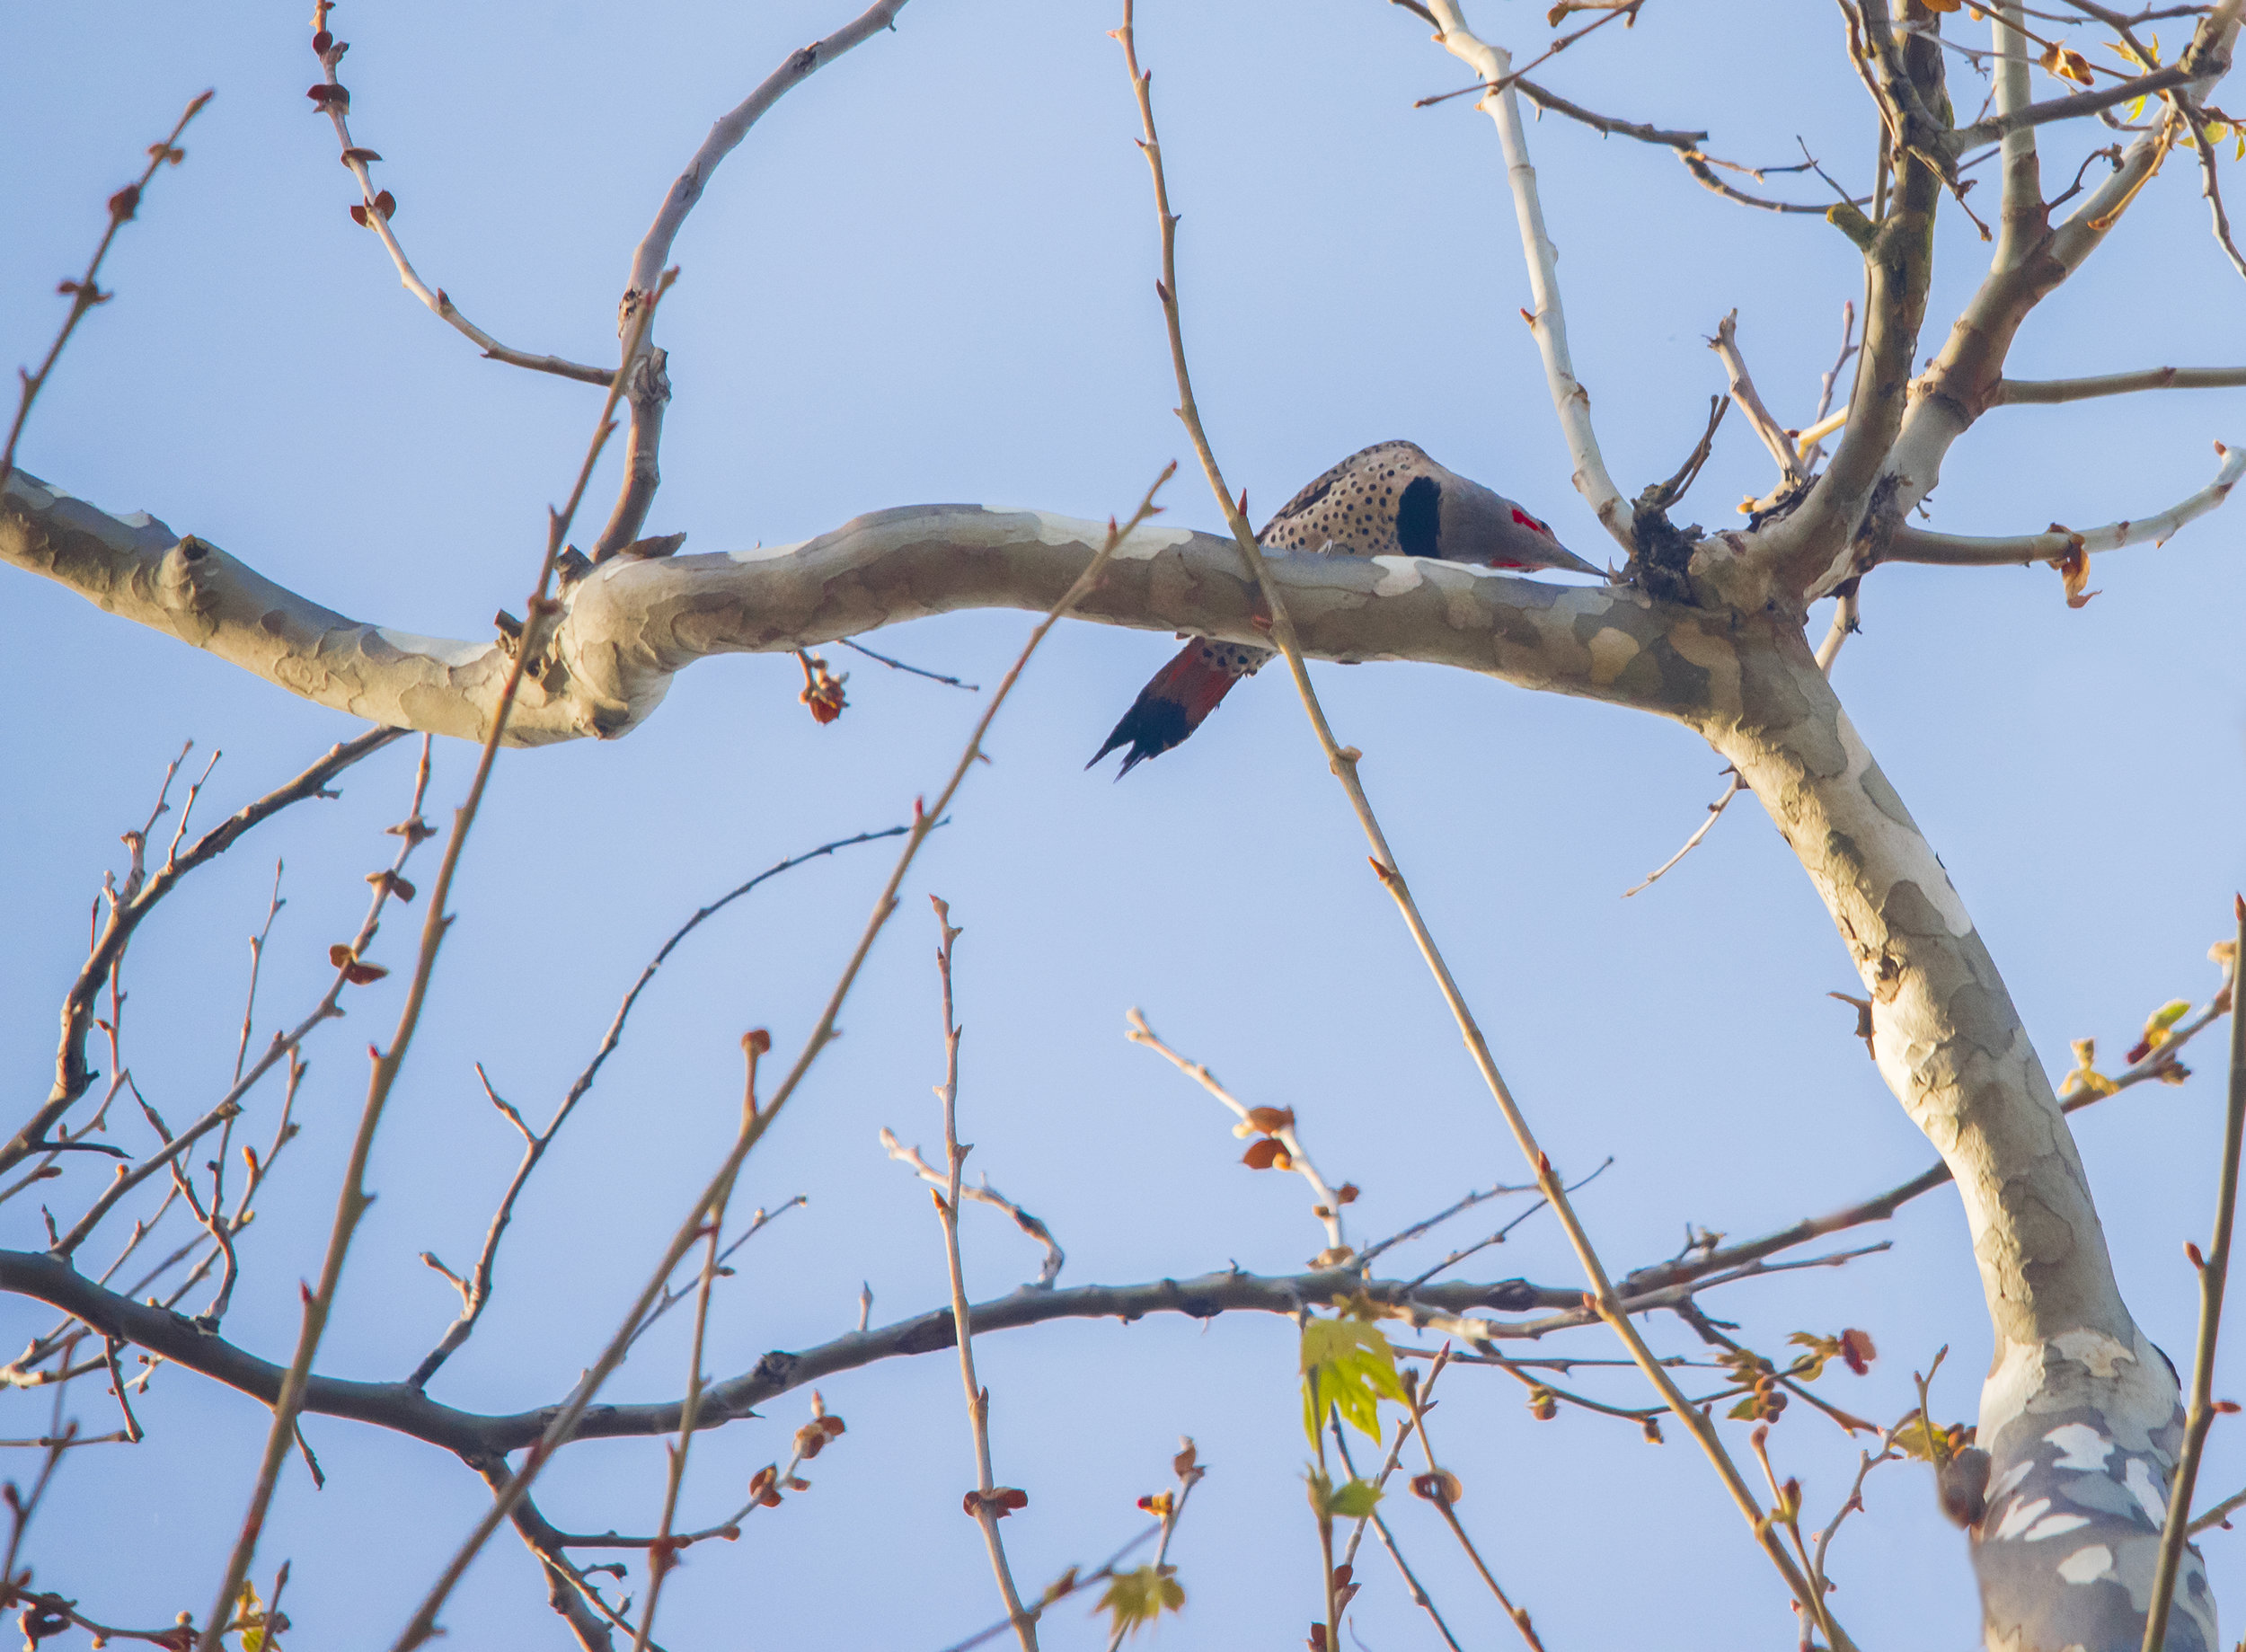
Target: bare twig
2015, 391
898, 664
83, 292
1811, 438
1054, 1257
1548, 321
1275, 1124
1440, 1487
662, 1553
1767, 429
641, 365
989, 1503
71, 1075
376, 206
1412, 1586
475, 1289
1369, 1252
2213, 1270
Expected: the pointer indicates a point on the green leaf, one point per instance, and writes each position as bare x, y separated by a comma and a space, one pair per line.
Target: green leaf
1746, 1410
1347, 1365
1135, 1599
1355, 1501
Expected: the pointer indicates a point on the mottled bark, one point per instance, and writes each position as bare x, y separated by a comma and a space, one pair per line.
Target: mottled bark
633, 622
2080, 1415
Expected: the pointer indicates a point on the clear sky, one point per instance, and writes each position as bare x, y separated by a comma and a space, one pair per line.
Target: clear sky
928, 277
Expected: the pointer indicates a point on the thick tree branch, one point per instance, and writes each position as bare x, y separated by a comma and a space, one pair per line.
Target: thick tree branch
1811, 550
630, 624
1952, 1047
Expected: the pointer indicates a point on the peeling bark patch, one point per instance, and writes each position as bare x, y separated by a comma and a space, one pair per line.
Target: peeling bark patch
1885, 799
755, 553
2054, 1526
441, 649
1982, 1019
2080, 1446
2019, 1519
2138, 1480
2087, 1565
1717, 658
1907, 911
1611, 650
1398, 574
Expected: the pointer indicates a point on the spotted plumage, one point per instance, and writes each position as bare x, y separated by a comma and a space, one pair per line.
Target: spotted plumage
1390, 499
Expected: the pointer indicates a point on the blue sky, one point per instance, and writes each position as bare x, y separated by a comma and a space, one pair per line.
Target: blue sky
928, 277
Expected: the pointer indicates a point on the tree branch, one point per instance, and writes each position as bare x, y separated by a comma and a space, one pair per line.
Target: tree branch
630, 624
1570, 400
2022, 392
1911, 545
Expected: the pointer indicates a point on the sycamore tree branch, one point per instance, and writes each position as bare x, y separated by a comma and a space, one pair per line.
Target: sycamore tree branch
1965, 376
1964, 139
642, 365
1812, 548
1952, 1047
1448, 1308
1910, 544
376, 206
1687, 146
1569, 399
633, 622
2021, 392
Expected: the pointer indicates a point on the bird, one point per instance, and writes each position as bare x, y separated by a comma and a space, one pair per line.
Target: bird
1389, 499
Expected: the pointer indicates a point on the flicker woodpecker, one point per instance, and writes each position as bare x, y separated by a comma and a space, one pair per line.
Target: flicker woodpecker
1389, 500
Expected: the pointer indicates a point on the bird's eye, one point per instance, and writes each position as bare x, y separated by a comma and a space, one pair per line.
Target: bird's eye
1530, 522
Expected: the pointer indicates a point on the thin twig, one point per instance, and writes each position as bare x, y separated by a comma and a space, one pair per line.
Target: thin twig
476, 1288
641, 365
1055, 1257
1438, 1486
82, 293
1277, 1124
71, 1075
987, 1503
898, 664
2213, 1270
662, 1555
1767, 429
376, 206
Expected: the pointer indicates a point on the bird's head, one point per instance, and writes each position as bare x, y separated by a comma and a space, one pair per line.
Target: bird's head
1469, 523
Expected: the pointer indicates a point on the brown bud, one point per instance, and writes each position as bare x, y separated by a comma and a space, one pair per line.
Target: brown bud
1438, 1486
1266, 1154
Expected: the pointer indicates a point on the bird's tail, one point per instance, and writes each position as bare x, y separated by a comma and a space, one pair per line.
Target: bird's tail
1180, 695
